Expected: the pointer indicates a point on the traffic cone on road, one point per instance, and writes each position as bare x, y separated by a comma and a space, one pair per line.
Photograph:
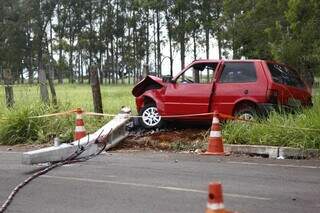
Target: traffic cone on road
215, 199
80, 131
215, 143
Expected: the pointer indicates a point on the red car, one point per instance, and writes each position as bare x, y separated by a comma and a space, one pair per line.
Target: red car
245, 88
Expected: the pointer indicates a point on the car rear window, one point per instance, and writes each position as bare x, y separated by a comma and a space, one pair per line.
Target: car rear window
284, 75
238, 72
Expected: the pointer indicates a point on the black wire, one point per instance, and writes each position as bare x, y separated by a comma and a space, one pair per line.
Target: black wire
71, 159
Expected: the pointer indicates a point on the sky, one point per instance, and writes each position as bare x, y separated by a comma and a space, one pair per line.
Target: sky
213, 54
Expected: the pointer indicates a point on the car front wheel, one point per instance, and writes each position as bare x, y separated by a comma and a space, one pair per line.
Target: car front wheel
150, 118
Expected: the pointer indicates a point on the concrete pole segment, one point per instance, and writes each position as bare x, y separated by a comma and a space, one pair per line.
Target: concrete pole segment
111, 133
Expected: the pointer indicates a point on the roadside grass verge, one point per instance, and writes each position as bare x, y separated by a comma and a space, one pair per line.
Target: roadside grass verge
299, 130
17, 127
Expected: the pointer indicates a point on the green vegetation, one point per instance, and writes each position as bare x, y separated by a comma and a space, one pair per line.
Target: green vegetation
279, 130
17, 127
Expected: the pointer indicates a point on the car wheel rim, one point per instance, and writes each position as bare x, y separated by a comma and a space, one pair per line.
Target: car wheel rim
246, 116
151, 116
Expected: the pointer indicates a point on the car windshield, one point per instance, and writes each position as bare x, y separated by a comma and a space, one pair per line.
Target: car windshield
202, 73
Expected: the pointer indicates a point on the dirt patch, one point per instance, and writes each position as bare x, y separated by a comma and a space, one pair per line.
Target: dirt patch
189, 140
178, 140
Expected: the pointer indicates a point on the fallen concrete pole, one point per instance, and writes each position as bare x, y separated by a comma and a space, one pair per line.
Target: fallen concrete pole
112, 133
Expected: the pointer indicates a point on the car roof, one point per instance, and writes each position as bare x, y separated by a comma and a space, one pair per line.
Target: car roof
225, 60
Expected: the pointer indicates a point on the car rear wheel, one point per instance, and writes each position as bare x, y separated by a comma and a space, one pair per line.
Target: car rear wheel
150, 118
247, 112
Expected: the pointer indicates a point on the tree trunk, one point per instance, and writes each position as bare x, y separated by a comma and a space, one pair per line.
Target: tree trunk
21, 76
219, 47
112, 73
182, 52
154, 42
60, 72
195, 72
81, 67
122, 66
182, 39
147, 39
158, 43
60, 32
194, 45
44, 95
170, 41
96, 93
71, 74
100, 61
30, 70
7, 77
207, 42
51, 85
51, 70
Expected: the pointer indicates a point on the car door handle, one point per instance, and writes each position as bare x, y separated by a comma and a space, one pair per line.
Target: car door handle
246, 92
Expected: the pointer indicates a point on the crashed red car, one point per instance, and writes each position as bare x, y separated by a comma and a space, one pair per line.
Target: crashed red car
245, 88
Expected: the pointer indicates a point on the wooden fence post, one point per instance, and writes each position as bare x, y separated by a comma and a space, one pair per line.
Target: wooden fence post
8, 81
96, 93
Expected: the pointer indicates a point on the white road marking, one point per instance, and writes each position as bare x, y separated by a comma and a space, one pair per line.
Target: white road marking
152, 186
274, 165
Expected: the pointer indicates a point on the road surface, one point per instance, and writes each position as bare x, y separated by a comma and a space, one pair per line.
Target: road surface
156, 182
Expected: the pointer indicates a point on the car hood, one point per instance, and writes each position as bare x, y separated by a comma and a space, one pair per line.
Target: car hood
148, 83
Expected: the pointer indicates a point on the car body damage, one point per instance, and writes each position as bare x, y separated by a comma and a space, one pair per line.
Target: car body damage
244, 88
148, 83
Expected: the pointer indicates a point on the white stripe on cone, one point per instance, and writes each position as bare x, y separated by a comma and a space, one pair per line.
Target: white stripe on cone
79, 116
215, 120
215, 206
80, 129
215, 134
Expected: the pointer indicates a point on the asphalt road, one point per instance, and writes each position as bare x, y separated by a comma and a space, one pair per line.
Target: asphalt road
163, 182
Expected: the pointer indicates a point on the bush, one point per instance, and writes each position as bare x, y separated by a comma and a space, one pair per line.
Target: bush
17, 128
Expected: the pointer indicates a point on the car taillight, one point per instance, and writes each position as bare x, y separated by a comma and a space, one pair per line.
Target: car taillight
272, 96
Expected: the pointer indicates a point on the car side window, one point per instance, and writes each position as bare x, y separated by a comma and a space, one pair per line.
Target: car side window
238, 72
284, 75
202, 73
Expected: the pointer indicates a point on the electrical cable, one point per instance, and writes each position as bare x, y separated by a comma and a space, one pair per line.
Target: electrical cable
71, 159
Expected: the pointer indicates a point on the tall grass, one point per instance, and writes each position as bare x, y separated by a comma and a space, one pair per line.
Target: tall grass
300, 130
17, 127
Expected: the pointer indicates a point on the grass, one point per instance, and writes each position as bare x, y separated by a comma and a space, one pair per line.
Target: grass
300, 130
76, 95
16, 127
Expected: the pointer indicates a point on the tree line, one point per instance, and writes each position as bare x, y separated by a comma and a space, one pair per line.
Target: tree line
46, 40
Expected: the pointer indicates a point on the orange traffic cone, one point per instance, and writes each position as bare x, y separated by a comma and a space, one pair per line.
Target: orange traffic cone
215, 199
215, 144
80, 131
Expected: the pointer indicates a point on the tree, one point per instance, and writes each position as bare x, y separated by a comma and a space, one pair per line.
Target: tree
40, 14
181, 14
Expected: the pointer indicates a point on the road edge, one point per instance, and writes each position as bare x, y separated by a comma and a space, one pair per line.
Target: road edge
273, 151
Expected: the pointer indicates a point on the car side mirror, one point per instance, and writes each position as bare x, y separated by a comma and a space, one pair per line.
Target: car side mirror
167, 79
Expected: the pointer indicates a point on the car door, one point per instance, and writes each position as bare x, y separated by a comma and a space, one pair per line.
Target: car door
191, 91
238, 80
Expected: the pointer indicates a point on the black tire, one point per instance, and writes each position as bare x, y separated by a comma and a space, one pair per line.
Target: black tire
150, 119
247, 112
